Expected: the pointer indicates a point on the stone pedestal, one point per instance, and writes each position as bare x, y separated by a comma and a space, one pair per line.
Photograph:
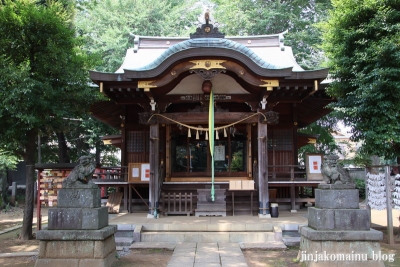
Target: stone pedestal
78, 234
338, 232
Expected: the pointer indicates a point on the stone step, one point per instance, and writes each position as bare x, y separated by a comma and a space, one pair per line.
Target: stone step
124, 234
291, 238
210, 227
270, 245
208, 237
131, 231
123, 241
291, 241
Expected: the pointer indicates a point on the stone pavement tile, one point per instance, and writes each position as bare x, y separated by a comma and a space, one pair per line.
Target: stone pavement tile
235, 264
210, 249
207, 252
230, 253
206, 264
185, 245
230, 249
228, 245
212, 258
184, 249
239, 261
207, 246
180, 264
184, 253
181, 261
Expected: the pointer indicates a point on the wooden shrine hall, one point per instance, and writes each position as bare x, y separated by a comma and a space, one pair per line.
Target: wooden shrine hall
245, 97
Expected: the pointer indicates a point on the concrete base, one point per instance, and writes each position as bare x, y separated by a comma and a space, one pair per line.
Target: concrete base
316, 235
293, 211
95, 248
264, 216
151, 216
328, 253
209, 213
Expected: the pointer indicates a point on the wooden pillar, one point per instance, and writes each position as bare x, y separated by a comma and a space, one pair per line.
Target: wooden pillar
124, 158
249, 156
295, 150
154, 164
38, 204
168, 152
263, 170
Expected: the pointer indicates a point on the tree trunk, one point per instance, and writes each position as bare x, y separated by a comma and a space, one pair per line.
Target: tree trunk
98, 152
26, 231
63, 156
3, 189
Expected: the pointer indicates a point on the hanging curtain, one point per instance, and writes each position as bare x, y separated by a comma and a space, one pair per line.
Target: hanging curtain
211, 140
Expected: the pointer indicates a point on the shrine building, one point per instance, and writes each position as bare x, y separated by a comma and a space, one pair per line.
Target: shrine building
246, 97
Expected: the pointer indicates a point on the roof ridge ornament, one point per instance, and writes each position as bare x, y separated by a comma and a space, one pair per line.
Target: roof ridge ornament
207, 30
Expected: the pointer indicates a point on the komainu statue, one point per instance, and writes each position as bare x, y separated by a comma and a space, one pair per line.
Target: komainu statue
332, 172
81, 175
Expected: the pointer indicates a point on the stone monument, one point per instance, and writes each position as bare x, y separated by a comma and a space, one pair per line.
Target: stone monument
338, 232
78, 234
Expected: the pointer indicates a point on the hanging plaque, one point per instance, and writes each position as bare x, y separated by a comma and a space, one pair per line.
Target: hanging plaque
219, 153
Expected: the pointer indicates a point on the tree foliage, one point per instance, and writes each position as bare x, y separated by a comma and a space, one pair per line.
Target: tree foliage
79, 136
258, 17
362, 42
107, 25
7, 161
43, 79
325, 143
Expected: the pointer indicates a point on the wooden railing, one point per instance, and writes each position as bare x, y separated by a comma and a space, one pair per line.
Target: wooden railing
111, 173
177, 203
287, 172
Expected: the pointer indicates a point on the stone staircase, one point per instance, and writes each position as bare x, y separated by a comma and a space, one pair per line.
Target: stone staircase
258, 235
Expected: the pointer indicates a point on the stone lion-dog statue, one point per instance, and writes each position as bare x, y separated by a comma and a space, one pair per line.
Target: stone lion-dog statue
81, 175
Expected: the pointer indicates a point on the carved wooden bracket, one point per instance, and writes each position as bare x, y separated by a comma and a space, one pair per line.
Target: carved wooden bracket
272, 117
147, 119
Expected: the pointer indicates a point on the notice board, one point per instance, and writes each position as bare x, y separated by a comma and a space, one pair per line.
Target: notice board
139, 172
313, 167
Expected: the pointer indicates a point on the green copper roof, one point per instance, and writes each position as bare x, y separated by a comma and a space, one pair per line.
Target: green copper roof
205, 43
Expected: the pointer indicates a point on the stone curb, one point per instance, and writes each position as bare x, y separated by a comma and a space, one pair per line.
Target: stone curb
149, 245
18, 254
11, 229
17, 227
271, 245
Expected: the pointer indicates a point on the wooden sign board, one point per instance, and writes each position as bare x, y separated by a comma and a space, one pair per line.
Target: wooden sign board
139, 172
313, 167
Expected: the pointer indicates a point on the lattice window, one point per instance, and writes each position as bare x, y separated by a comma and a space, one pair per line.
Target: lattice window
136, 141
283, 139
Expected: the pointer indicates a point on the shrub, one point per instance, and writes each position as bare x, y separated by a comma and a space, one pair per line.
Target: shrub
360, 185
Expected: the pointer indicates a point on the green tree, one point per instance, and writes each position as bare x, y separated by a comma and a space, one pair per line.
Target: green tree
325, 143
43, 79
7, 161
258, 17
77, 137
107, 25
362, 42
